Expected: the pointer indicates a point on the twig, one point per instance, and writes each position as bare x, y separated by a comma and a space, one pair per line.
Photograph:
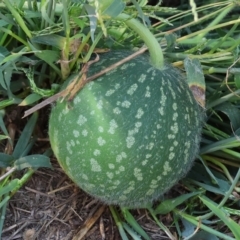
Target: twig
10, 171
76, 80
89, 223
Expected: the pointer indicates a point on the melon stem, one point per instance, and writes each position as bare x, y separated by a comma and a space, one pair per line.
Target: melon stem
146, 35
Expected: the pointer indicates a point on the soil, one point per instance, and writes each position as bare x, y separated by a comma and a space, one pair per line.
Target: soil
51, 207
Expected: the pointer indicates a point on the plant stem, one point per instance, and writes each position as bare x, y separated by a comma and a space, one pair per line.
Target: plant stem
146, 35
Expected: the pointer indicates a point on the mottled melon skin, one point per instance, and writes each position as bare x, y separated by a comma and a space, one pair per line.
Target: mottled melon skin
129, 136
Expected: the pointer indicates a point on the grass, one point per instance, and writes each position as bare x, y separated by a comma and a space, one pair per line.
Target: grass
43, 43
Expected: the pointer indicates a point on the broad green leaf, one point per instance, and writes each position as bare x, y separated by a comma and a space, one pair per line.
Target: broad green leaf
93, 20
80, 22
195, 79
33, 161
9, 187
31, 14
3, 23
209, 188
168, 205
237, 80
144, 18
189, 230
204, 235
114, 9
53, 40
5, 160
232, 112
220, 145
49, 56
171, 40
30, 99
199, 176
25, 136
206, 228
232, 225
134, 224
3, 52
13, 57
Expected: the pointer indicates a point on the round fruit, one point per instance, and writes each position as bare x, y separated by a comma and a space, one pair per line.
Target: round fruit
130, 135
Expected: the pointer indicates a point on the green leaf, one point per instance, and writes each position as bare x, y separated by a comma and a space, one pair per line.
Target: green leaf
9, 187
5, 160
195, 79
31, 98
93, 20
2, 137
200, 177
134, 224
8, 102
2, 123
232, 112
206, 228
237, 80
232, 225
220, 145
45, 5
168, 205
131, 232
144, 18
19, 20
204, 235
52, 40
33, 161
189, 230
114, 9
25, 136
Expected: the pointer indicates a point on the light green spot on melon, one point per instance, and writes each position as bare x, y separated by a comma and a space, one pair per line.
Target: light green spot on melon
95, 165
132, 89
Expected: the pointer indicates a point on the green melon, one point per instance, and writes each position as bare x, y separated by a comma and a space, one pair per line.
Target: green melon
129, 136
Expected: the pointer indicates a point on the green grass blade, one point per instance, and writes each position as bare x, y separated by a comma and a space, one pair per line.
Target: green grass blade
2, 124
134, 224
30, 99
32, 161
9, 187
25, 136
219, 145
118, 223
233, 226
3, 208
168, 205
5, 160
193, 220
18, 18
131, 232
